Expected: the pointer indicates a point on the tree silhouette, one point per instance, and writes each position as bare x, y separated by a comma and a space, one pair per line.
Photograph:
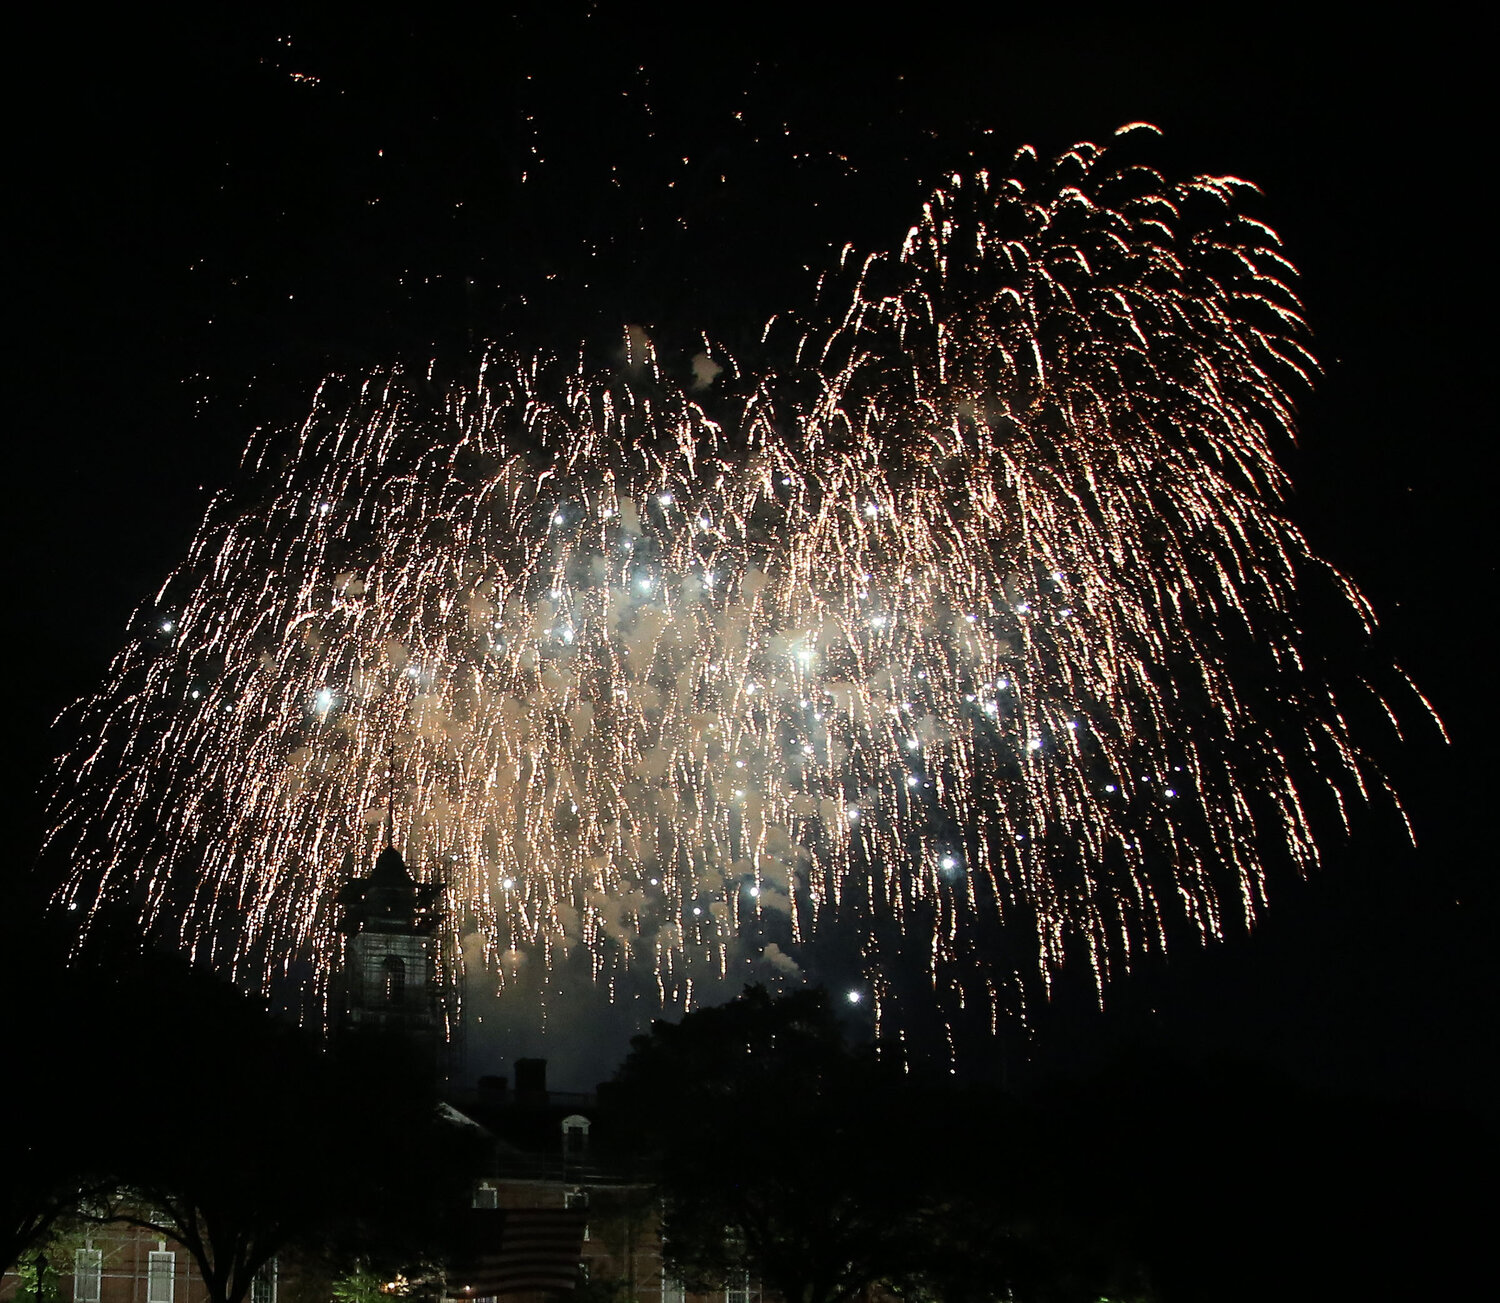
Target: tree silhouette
779, 1147
231, 1133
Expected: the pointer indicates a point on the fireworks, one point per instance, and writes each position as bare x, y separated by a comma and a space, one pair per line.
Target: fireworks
977, 607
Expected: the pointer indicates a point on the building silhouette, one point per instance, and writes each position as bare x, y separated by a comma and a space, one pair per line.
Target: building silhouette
390, 987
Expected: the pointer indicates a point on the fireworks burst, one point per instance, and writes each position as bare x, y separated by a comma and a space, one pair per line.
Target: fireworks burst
978, 606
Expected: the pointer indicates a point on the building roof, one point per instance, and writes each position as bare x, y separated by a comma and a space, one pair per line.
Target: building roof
390, 899
390, 870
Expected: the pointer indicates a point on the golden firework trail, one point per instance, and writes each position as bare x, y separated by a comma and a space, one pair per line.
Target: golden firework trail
979, 604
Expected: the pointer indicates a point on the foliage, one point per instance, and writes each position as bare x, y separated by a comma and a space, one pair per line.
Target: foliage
259, 1141
767, 1122
39, 1280
50, 1163
359, 1286
822, 1170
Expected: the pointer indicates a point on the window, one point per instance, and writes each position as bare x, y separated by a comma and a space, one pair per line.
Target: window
575, 1129
161, 1276
576, 1199
394, 973
486, 1196
672, 1290
88, 1269
740, 1291
263, 1286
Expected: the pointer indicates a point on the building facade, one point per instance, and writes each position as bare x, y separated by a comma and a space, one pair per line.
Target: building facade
563, 1202
115, 1262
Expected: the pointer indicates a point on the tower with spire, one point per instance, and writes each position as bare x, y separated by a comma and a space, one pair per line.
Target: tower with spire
390, 957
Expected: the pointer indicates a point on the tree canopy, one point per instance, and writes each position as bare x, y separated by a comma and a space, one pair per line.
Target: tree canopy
235, 1134
820, 1167
768, 1125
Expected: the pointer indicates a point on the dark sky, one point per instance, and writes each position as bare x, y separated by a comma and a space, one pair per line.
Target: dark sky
215, 213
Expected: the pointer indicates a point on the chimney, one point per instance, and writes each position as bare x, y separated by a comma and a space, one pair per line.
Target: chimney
531, 1081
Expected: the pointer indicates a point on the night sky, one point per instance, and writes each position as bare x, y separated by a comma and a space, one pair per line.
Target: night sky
217, 213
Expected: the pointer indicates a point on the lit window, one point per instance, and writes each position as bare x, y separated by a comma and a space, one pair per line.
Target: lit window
88, 1269
263, 1286
161, 1276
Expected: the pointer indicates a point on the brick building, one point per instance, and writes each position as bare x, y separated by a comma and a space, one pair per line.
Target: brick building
563, 1197
119, 1263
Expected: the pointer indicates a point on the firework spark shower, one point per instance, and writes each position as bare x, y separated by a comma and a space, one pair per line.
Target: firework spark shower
971, 602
